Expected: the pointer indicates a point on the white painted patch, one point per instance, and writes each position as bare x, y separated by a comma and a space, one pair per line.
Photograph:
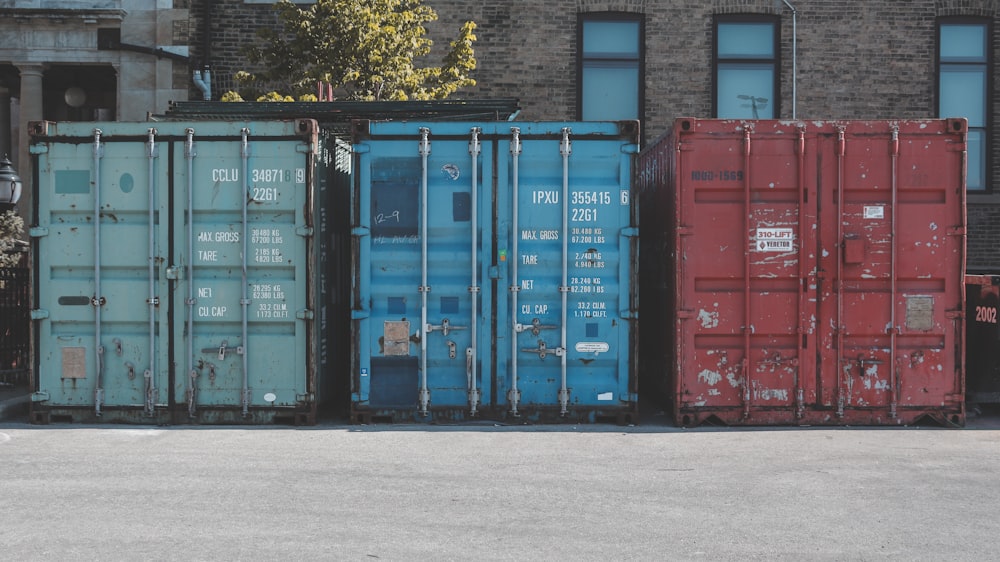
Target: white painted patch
714, 392
270, 397
872, 370
709, 377
733, 381
882, 385
605, 396
708, 319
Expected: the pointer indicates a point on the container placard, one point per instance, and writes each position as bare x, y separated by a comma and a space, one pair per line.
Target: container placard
775, 239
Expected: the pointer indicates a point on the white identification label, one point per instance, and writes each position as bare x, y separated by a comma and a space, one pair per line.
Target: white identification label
775, 239
592, 347
874, 212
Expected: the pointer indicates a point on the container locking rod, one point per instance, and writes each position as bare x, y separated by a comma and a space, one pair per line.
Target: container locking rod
192, 392
565, 149
244, 300
153, 299
423, 396
474, 149
514, 395
98, 299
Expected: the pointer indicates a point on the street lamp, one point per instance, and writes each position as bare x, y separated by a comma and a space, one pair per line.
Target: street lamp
10, 185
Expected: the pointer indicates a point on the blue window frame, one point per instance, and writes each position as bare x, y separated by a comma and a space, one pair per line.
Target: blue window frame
746, 67
610, 67
963, 88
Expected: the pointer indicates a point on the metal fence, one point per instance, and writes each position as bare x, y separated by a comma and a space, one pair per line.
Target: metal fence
15, 323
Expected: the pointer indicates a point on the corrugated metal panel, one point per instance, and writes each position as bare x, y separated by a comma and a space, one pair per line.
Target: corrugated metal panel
173, 268
494, 271
982, 339
334, 113
818, 271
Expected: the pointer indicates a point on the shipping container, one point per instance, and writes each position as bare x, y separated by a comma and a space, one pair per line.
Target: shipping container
813, 270
982, 339
494, 272
175, 272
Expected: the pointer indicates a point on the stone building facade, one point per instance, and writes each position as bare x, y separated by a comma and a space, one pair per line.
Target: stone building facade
84, 60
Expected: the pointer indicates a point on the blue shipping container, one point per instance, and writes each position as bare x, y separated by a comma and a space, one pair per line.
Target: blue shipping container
494, 271
174, 272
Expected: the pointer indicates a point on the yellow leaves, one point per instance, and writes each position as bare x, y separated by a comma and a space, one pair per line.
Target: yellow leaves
275, 96
365, 48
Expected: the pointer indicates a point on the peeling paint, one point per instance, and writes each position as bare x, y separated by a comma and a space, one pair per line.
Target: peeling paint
714, 392
708, 319
733, 381
934, 226
710, 377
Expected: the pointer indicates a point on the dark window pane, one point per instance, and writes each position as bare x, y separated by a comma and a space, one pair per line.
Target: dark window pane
745, 91
963, 42
976, 147
611, 39
746, 40
610, 92
963, 93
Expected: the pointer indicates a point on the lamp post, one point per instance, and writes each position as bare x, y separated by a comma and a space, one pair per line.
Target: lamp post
10, 185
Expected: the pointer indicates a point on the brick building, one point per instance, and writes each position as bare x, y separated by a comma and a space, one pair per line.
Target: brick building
653, 60
656, 60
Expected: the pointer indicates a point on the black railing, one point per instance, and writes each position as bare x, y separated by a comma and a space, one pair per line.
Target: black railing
15, 323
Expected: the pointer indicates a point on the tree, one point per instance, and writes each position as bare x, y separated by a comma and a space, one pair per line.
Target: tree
11, 229
364, 48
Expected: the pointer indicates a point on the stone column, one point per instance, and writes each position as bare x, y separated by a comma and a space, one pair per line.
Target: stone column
5, 124
30, 110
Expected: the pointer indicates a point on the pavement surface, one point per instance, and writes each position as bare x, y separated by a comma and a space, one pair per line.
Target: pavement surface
496, 492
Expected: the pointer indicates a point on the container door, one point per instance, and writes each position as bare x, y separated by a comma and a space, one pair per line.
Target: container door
567, 323
982, 341
241, 262
101, 238
896, 235
746, 286
424, 346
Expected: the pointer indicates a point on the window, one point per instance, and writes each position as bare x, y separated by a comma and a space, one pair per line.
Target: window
746, 63
610, 67
963, 85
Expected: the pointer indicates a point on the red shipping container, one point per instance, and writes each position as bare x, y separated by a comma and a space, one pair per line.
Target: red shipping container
817, 270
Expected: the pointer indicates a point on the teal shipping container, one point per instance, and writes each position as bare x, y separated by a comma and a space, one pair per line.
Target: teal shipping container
175, 268
494, 267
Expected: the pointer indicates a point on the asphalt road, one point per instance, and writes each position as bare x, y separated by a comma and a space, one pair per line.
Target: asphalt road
488, 492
